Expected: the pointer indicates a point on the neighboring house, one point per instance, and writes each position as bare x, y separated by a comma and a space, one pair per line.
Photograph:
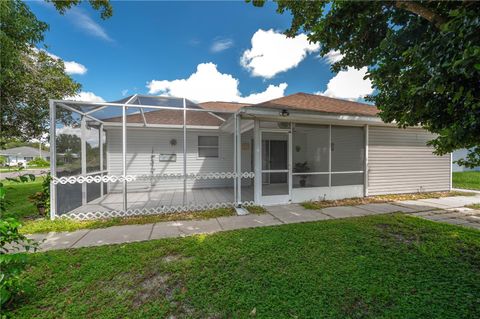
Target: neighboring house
461, 154
23, 154
288, 150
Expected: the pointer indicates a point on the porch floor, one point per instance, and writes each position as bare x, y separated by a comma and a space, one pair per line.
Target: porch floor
157, 199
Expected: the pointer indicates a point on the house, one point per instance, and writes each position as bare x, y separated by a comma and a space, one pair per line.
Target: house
23, 154
138, 157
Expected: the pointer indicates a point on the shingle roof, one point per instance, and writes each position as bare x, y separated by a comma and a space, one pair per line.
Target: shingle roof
222, 106
319, 103
298, 101
171, 117
26, 151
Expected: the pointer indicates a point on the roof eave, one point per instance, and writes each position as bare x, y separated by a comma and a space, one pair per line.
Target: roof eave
307, 116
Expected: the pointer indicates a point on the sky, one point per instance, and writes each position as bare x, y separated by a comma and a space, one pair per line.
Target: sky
204, 51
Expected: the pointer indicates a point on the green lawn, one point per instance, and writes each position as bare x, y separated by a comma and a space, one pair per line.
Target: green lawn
17, 194
466, 180
387, 266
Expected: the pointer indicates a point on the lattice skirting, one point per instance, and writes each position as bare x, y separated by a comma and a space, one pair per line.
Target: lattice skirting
130, 178
148, 211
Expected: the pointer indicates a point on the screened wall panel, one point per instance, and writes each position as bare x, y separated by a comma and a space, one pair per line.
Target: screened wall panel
348, 148
345, 179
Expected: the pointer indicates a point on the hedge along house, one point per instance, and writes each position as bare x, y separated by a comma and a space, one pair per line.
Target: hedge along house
153, 155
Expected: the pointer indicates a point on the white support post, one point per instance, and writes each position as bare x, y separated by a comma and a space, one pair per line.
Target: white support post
257, 149
330, 156
143, 117
365, 170
238, 159
53, 162
290, 161
83, 126
450, 185
124, 156
235, 184
184, 152
100, 144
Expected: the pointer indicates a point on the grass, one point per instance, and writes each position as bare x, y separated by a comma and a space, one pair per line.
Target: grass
383, 266
466, 180
380, 199
473, 206
17, 194
58, 225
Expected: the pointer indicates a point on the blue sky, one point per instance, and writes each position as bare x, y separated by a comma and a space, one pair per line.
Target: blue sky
200, 50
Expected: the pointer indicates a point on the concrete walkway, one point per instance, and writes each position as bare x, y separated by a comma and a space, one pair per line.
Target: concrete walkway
447, 209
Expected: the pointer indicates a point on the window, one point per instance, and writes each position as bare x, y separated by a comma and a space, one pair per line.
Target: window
208, 146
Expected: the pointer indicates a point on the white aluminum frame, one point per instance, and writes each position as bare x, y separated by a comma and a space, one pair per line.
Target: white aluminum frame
284, 198
124, 178
328, 190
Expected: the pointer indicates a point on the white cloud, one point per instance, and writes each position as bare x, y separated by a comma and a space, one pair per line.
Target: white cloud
272, 92
220, 45
273, 52
86, 97
83, 21
208, 84
333, 57
125, 92
71, 67
349, 85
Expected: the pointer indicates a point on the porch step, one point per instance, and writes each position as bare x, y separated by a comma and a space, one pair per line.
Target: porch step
241, 211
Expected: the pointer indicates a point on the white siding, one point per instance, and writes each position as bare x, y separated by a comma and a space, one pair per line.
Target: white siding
144, 145
399, 161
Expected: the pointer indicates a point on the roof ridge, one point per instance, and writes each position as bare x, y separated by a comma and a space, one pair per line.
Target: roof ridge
225, 102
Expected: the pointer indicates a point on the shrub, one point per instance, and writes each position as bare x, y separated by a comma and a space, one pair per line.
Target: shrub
42, 199
39, 162
12, 261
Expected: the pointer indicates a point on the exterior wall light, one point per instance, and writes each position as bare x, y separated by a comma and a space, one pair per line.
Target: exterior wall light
284, 113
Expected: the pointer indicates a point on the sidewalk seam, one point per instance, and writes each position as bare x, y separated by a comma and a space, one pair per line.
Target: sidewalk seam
88, 232
369, 210
221, 227
151, 231
275, 217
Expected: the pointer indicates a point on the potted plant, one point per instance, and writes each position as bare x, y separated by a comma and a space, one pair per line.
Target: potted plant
39, 199
302, 168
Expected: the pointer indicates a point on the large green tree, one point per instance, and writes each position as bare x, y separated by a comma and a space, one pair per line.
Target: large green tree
29, 77
423, 58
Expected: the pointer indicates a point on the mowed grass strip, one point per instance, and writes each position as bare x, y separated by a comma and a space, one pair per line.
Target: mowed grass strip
466, 180
45, 225
389, 266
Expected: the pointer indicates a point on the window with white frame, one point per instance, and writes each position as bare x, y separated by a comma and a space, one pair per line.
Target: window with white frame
208, 146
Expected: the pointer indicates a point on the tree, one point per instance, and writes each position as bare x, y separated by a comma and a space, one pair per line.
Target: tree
423, 58
29, 77
68, 143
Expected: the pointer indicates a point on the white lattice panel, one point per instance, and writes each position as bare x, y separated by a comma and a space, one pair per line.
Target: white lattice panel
130, 178
148, 211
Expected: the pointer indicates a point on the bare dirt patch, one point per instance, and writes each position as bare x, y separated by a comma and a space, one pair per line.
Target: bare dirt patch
388, 232
173, 258
154, 286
